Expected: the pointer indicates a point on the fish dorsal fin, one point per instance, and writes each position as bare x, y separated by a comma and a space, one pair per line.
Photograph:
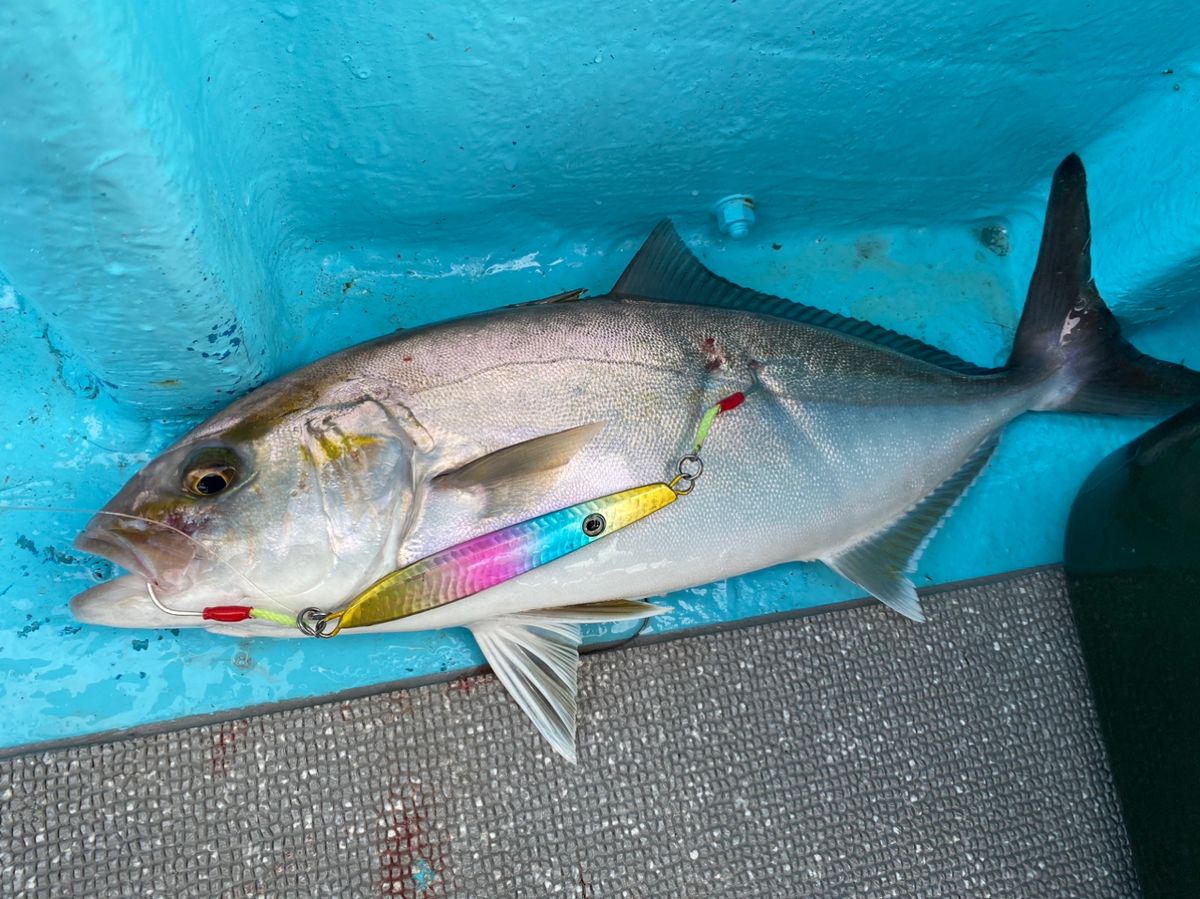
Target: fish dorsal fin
567, 296
881, 563
530, 465
665, 269
536, 656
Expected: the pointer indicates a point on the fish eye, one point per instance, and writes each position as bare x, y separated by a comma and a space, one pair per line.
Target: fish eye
209, 481
210, 471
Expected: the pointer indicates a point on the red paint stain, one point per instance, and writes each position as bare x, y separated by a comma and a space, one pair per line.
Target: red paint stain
411, 862
468, 685
224, 745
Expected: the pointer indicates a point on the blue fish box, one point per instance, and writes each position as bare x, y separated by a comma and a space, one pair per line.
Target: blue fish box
195, 199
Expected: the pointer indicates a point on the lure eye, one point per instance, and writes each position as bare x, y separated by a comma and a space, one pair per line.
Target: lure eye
593, 525
209, 481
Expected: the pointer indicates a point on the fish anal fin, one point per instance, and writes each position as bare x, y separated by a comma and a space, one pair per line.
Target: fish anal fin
532, 465
881, 563
536, 656
664, 269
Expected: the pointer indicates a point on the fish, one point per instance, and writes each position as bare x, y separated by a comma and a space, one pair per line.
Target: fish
853, 444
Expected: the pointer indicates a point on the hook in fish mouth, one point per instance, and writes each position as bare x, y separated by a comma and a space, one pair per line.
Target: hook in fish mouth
125, 602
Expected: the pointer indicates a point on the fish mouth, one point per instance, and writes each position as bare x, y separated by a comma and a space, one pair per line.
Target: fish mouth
124, 602
158, 556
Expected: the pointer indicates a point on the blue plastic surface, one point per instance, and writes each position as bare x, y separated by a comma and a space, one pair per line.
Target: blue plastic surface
194, 197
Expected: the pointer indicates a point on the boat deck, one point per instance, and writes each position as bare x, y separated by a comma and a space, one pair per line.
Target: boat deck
847, 753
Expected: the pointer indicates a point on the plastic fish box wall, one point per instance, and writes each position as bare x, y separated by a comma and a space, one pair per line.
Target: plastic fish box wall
197, 196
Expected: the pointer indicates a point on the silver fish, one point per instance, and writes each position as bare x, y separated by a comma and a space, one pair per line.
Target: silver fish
853, 445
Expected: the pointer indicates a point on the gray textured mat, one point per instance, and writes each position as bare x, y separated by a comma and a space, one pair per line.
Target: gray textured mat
848, 754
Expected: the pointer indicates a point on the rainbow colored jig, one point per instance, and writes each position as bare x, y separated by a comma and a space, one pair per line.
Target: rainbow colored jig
491, 559
475, 565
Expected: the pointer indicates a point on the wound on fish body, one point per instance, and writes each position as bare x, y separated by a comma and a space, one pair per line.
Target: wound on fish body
858, 444
712, 356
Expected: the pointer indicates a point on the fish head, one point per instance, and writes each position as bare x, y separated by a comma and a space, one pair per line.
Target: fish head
296, 499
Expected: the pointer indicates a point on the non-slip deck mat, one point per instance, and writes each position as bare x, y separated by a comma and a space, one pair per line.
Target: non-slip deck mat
847, 754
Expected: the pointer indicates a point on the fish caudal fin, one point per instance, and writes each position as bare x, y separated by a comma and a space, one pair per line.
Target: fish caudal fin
1067, 335
536, 656
881, 563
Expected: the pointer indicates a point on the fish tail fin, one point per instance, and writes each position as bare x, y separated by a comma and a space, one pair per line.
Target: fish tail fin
1070, 340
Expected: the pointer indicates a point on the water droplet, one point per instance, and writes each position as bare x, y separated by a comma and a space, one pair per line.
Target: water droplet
287, 10
291, 48
360, 72
333, 143
116, 269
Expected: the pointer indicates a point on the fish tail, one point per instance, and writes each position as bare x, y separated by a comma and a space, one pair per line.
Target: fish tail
1068, 338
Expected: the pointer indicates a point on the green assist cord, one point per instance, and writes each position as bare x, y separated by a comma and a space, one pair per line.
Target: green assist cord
273, 617
706, 424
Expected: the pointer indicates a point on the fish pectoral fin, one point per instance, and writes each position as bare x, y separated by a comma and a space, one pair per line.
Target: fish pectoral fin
532, 465
613, 610
881, 563
536, 656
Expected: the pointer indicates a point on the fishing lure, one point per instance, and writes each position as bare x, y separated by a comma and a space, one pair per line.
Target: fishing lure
475, 565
